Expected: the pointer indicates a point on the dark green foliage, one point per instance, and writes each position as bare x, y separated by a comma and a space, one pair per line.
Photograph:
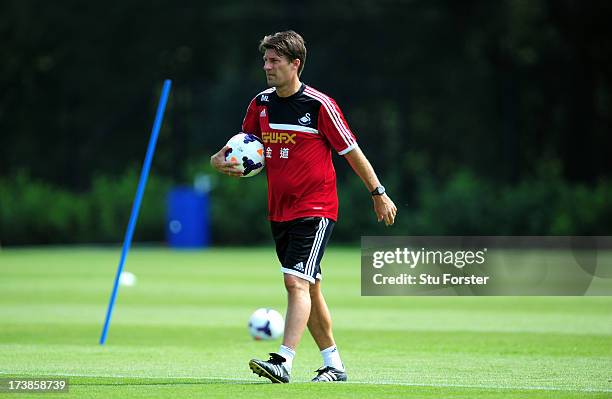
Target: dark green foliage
543, 204
492, 86
239, 209
456, 104
464, 204
32, 211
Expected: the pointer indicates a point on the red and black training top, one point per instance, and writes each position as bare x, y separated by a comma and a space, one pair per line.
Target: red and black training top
299, 133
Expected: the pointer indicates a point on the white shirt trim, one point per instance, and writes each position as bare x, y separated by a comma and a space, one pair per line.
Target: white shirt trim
294, 128
267, 91
348, 149
298, 274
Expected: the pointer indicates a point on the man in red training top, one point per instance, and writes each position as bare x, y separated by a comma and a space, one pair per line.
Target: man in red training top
299, 127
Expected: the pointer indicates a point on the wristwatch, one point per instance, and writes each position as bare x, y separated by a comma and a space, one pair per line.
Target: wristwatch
380, 190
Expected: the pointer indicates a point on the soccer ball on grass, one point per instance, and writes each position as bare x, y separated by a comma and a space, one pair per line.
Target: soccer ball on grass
266, 324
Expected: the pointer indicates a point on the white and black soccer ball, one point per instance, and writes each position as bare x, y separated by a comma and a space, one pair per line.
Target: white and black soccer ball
249, 151
266, 324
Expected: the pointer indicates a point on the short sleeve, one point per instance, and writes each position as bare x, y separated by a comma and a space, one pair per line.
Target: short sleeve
250, 124
333, 125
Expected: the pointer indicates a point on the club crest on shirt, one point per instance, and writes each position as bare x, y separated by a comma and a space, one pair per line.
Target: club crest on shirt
305, 120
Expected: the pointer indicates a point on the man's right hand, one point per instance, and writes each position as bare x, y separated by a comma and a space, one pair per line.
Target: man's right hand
226, 167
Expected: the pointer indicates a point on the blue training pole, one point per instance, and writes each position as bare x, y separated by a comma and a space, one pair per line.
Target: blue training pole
144, 174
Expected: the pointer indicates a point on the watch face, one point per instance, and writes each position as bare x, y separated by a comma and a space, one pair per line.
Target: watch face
380, 190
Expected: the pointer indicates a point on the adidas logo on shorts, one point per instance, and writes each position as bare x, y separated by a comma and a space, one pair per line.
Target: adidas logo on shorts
299, 267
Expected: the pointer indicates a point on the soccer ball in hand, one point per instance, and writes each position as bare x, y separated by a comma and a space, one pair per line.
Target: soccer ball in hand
249, 151
266, 324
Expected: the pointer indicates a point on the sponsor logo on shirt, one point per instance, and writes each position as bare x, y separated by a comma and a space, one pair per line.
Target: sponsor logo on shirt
274, 137
262, 113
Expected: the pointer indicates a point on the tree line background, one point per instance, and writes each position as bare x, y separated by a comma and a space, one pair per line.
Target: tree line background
481, 117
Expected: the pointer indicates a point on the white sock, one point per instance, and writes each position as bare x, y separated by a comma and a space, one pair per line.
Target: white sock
331, 357
288, 354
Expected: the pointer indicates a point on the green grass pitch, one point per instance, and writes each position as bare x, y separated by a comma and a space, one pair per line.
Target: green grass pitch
181, 331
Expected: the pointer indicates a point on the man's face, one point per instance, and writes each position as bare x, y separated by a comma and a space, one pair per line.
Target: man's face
279, 71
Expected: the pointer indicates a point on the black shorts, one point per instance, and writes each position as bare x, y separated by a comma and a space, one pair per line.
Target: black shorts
300, 244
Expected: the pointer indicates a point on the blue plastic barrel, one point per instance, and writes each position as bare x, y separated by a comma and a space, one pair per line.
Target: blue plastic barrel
188, 222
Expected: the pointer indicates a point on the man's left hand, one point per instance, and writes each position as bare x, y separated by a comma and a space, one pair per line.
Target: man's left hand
385, 209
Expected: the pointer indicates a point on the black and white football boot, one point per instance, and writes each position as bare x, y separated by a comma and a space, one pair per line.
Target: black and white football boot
273, 369
329, 374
